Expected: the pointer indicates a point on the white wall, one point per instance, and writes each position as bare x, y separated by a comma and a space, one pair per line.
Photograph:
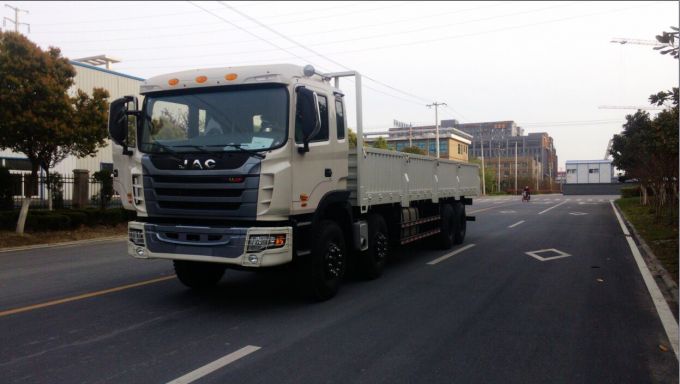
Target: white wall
589, 172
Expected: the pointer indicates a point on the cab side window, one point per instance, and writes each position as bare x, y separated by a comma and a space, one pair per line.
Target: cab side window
322, 135
340, 118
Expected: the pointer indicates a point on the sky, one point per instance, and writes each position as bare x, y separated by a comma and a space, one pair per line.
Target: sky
548, 66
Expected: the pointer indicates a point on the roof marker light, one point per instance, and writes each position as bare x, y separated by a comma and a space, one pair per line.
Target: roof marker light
201, 79
230, 76
173, 81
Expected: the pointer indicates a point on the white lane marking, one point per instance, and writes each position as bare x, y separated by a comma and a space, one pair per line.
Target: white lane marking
618, 216
667, 319
516, 224
457, 251
215, 365
535, 254
577, 213
554, 206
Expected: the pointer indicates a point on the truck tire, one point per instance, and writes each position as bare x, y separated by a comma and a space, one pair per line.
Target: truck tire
372, 261
447, 227
326, 266
198, 275
461, 223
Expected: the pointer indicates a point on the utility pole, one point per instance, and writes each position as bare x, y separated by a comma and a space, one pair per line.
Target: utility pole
436, 123
410, 134
483, 173
16, 19
499, 167
515, 167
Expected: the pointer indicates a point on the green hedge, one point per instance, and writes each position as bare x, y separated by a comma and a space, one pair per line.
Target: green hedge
630, 191
64, 219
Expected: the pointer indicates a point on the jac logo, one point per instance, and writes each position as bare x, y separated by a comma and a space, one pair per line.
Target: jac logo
196, 164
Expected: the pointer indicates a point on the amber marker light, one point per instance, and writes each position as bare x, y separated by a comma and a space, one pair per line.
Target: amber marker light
201, 79
304, 197
230, 76
279, 240
173, 81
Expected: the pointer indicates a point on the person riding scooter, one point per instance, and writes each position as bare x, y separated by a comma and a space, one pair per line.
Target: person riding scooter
526, 194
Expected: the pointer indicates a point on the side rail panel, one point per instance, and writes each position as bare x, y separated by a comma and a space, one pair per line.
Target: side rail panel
395, 177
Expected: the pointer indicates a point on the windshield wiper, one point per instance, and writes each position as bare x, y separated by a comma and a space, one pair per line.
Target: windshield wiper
174, 154
201, 148
240, 149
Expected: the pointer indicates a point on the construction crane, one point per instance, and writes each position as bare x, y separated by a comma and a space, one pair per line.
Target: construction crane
649, 107
623, 40
609, 148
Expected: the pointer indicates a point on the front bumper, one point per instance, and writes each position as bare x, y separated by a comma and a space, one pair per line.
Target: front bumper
225, 245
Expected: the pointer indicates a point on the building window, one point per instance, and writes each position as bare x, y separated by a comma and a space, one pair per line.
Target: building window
593, 170
571, 171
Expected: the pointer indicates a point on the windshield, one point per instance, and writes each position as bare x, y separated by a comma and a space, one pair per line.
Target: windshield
252, 119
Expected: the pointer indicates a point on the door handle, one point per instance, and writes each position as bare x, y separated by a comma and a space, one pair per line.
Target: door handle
328, 172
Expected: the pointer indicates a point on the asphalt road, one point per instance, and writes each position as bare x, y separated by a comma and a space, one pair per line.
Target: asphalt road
487, 313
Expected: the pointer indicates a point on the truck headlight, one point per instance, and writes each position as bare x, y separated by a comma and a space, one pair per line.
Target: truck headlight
258, 243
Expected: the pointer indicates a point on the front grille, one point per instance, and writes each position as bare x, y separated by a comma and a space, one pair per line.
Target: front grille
199, 205
194, 179
199, 192
216, 193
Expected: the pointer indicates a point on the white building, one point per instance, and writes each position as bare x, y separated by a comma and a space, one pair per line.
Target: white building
87, 78
589, 171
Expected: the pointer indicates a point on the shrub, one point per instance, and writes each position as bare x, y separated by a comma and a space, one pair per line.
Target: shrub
630, 191
52, 221
6, 198
105, 177
56, 187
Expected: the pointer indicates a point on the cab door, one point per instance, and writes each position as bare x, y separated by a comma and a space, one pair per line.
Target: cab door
323, 169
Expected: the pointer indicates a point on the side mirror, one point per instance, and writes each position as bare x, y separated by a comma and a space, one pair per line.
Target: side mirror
118, 120
309, 115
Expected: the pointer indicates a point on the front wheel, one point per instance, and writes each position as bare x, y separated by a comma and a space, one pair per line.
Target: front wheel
325, 268
198, 275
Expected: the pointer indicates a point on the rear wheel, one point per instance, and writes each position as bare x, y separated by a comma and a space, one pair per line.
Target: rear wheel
325, 268
198, 275
447, 226
372, 261
461, 223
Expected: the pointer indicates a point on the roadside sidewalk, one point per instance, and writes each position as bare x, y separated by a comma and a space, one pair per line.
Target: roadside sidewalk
10, 241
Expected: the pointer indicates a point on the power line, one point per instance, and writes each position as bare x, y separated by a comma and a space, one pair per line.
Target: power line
313, 51
267, 41
15, 21
343, 29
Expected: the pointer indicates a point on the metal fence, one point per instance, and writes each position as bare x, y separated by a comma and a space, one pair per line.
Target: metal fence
62, 191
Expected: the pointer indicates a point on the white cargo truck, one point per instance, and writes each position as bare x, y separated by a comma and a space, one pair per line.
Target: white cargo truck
251, 167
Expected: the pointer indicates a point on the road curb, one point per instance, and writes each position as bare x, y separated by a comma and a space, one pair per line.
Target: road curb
63, 244
670, 288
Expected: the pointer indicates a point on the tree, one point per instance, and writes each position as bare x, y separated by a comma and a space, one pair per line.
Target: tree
647, 150
380, 143
414, 150
38, 118
670, 40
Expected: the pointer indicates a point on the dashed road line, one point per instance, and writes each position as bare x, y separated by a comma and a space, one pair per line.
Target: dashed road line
516, 224
457, 251
554, 206
215, 365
